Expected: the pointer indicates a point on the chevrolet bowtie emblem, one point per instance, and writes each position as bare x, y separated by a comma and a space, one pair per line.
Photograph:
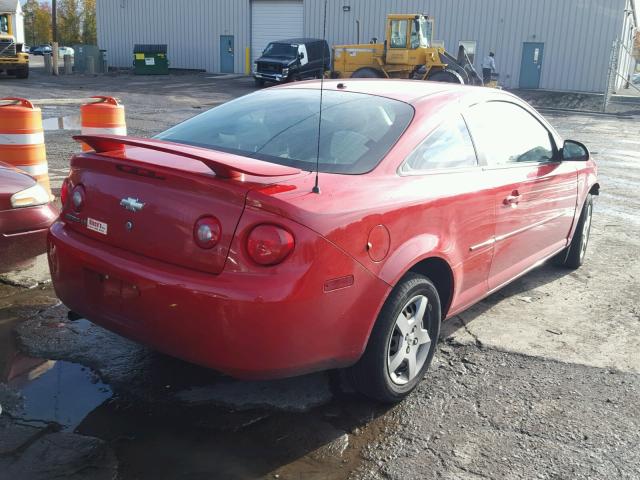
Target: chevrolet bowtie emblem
132, 204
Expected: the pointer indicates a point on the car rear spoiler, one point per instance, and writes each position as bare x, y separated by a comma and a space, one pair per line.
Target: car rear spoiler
224, 165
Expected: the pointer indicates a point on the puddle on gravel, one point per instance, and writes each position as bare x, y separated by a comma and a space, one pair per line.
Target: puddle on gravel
57, 391
205, 442
164, 438
52, 391
71, 122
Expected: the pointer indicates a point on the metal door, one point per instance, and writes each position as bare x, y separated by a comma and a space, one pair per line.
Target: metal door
531, 67
226, 54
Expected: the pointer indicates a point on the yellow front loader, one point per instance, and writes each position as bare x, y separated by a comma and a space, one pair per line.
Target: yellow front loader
12, 59
407, 52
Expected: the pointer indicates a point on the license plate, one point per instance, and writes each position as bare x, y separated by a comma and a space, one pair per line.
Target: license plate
97, 226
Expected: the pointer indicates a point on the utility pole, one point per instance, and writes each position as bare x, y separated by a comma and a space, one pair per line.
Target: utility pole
54, 31
54, 21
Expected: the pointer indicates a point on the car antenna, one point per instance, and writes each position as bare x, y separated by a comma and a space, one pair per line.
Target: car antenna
316, 187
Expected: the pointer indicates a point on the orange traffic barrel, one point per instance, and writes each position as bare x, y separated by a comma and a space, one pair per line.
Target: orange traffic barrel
22, 139
105, 116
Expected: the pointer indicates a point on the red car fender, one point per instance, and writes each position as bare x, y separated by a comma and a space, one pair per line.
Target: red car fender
412, 252
587, 180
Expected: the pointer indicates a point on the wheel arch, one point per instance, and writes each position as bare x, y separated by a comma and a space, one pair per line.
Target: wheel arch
595, 189
424, 255
440, 273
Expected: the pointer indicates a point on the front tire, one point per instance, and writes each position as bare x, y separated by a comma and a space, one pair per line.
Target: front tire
22, 73
259, 83
446, 76
402, 342
367, 73
573, 256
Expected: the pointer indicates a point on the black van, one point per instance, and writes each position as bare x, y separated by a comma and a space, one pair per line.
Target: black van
292, 59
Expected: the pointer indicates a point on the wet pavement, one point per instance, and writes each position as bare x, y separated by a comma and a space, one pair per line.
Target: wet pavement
540, 380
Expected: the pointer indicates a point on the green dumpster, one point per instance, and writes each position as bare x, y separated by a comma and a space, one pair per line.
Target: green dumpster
150, 60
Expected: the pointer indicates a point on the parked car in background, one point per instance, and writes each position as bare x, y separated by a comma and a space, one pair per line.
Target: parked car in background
62, 51
292, 59
26, 212
635, 79
40, 50
212, 243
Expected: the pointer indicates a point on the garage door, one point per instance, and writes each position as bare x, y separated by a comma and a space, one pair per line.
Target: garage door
274, 20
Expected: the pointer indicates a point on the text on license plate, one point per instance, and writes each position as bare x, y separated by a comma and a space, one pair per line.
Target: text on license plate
97, 226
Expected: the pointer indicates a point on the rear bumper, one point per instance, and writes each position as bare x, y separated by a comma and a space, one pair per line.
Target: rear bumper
248, 324
24, 234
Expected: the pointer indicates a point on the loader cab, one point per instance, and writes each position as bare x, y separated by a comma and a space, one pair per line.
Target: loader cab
5, 24
407, 34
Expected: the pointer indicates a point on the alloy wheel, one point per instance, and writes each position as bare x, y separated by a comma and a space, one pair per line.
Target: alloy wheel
410, 341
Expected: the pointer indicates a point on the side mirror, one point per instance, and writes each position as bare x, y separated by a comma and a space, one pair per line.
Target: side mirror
573, 151
301, 55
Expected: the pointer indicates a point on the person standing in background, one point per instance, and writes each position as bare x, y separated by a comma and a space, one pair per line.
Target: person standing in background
488, 67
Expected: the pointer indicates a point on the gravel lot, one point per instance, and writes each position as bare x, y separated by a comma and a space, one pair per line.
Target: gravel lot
540, 380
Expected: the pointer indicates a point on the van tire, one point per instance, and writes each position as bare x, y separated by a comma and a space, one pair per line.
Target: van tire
258, 82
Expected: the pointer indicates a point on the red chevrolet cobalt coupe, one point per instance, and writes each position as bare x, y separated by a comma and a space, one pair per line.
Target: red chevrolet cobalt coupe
211, 243
26, 212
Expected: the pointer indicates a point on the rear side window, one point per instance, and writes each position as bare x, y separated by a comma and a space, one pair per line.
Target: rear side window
314, 51
449, 146
281, 126
508, 134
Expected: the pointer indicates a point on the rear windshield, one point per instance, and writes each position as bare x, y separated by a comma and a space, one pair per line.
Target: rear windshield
281, 126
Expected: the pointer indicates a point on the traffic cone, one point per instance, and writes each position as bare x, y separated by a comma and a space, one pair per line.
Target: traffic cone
104, 117
22, 139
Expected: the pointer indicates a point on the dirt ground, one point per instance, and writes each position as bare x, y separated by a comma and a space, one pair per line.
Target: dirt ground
540, 380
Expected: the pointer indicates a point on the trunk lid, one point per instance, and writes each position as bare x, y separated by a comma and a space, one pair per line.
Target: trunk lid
147, 201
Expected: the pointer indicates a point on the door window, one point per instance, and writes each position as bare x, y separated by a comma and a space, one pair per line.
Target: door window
469, 48
508, 134
398, 34
449, 146
4, 24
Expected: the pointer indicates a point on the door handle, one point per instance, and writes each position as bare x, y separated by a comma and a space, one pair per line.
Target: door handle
512, 199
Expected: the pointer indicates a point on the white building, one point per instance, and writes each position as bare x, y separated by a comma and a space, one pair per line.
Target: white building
569, 42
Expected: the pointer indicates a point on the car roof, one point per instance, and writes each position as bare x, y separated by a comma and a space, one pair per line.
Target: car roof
298, 40
409, 91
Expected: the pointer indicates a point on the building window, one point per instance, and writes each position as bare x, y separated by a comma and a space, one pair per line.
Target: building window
469, 48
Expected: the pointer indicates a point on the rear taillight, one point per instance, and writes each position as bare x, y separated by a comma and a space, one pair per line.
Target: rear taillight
64, 192
78, 198
269, 244
207, 232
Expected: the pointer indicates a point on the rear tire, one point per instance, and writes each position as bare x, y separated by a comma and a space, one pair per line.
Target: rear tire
446, 76
402, 342
573, 256
367, 73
